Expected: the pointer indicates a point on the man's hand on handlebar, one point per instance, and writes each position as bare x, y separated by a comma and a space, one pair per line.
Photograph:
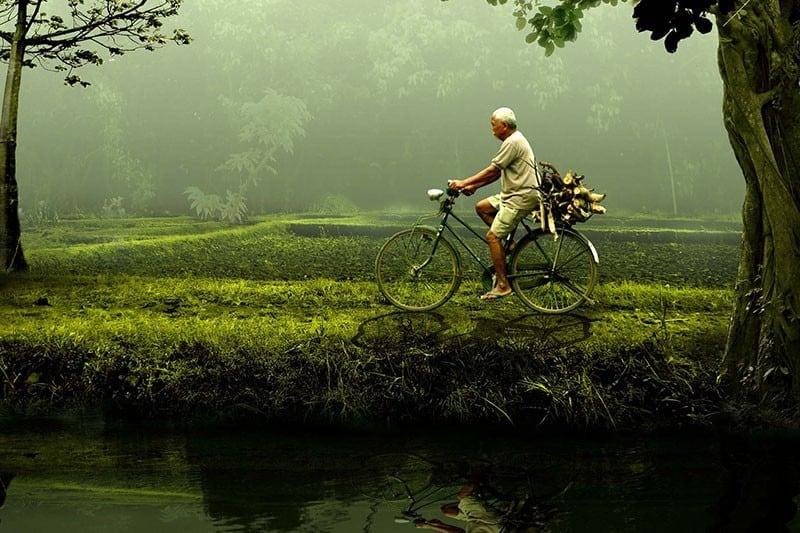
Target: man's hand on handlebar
460, 186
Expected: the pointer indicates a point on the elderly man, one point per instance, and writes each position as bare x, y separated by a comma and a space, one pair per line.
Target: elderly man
515, 166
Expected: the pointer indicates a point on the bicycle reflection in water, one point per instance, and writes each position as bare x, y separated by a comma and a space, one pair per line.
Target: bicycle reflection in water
489, 500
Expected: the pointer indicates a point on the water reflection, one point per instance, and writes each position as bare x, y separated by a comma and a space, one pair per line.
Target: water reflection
271, 481
480, 503
91, 474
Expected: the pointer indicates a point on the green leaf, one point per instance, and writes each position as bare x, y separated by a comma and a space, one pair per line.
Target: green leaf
549, 49
569, 33
521, 23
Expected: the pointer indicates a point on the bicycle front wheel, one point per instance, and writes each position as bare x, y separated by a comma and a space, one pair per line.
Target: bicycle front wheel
553, 275
418, 270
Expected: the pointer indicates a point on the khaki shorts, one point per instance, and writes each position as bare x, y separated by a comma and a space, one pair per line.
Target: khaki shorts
507, 218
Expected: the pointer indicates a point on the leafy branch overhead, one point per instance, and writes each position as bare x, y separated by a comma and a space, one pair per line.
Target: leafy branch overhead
83, 29
554, 25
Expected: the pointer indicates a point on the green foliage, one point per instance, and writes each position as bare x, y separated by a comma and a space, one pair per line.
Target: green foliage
208, 206
204, 205
551, 26
268, 127
234, 208
113, 207
554, 24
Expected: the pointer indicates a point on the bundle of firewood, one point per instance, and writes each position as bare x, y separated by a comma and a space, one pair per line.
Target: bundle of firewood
567, 198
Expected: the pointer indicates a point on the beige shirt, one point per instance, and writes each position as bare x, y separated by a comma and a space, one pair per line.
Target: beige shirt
480, 517
518, 178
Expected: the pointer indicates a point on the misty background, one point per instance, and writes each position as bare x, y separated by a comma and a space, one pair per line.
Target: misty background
280, 105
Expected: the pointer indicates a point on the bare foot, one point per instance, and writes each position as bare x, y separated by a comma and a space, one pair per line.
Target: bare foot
495, 294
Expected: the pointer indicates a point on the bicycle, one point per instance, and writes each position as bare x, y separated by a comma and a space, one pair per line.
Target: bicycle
422, 483
414, 479
419, 269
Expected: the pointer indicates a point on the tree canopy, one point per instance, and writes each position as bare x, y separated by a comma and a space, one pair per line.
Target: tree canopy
68, 40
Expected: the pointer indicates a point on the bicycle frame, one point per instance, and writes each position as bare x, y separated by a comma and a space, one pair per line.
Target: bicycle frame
446, 212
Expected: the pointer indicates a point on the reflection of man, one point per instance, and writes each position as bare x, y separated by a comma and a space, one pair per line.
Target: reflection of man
479, 516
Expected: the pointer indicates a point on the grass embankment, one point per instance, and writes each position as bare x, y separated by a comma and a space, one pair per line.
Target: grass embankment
188, 320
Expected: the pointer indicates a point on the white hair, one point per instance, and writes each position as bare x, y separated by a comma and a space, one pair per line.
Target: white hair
506, 116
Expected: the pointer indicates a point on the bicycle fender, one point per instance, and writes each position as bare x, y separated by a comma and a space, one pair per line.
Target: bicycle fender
595, 257
594, 252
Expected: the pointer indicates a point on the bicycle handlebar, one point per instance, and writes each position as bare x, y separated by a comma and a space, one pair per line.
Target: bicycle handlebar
452, 192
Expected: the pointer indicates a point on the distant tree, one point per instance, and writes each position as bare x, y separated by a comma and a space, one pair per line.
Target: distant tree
268, 127
63, 40
759, 63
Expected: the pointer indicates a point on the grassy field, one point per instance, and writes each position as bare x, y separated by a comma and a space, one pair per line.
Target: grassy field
280, 319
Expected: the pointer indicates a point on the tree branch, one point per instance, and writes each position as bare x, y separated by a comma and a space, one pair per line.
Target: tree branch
34, 16
134, 16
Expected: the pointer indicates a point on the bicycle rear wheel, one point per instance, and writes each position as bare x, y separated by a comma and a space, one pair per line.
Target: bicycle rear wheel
553, 275
417, 270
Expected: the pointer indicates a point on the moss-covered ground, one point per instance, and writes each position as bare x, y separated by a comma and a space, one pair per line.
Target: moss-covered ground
280, 319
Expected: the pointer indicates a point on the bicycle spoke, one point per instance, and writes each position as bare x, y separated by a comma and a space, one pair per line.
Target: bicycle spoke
572, 287
417, 270
564, 263
553, 275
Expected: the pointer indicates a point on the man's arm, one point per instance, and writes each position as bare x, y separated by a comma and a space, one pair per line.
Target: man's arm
469, 185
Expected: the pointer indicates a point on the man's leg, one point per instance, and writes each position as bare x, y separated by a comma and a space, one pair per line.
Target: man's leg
486, 211
501, 286
503, 224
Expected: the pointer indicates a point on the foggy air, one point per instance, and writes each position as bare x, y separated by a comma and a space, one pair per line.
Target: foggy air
363, 106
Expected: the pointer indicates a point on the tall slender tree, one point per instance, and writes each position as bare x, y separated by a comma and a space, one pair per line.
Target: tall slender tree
74, 34
759, 63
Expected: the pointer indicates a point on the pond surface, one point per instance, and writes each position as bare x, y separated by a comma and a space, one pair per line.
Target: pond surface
79, 474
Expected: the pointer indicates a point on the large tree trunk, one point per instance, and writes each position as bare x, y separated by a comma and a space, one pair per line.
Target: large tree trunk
11, 256
759, 60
